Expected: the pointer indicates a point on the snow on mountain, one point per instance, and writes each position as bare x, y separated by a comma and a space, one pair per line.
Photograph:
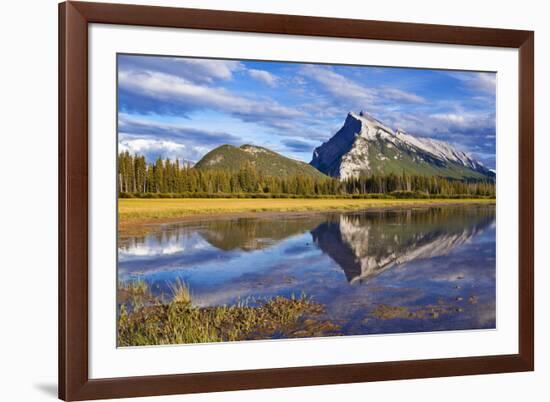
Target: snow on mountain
364, 145
439, 148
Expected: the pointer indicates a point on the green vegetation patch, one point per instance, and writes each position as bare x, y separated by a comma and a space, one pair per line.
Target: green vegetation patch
179, 321
265, 161
385, 160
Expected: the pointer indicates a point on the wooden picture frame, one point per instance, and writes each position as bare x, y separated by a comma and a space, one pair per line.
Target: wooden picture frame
74, 381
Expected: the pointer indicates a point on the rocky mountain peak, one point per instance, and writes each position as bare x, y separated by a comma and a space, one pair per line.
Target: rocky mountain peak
365, 145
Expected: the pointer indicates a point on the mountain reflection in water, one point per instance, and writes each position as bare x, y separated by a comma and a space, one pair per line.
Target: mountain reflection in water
365, 245
352, 262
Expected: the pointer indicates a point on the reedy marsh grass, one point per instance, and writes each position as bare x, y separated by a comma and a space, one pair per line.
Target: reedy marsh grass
179, 321
180, 292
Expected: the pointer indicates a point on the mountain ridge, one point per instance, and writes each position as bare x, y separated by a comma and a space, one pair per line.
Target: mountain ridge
366, 146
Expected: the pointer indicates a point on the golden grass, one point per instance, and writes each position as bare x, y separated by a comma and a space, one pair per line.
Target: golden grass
180, 292
150, 210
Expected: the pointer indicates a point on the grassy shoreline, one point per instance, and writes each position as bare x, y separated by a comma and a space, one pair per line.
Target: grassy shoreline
149, 211
146, 320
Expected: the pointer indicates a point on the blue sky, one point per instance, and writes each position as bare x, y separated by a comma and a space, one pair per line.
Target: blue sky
184, 107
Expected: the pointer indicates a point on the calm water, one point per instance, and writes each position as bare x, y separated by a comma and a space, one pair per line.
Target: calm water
353, 263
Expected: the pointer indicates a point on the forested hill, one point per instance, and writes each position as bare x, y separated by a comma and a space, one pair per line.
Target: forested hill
265, 161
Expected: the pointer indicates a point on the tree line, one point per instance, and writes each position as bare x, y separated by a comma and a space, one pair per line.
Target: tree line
165, 176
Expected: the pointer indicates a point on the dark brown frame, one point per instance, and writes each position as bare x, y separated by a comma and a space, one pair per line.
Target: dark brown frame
74, 17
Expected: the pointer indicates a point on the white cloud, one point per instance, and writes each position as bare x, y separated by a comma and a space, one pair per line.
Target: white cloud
482, 82
210, 68
462, 120
399, 95
147, 128
153, 139
153, 148
337, 84
344, 89
195, 70
264, 76
170, 89
207, 70
165, 87
453, 118
142, 145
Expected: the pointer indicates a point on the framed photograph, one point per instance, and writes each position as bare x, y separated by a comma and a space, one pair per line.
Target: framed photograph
259, 200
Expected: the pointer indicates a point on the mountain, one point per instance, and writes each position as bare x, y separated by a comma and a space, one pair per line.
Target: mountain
365, 145
228, 157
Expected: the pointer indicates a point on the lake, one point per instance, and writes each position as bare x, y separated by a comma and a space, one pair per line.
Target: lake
385, 271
